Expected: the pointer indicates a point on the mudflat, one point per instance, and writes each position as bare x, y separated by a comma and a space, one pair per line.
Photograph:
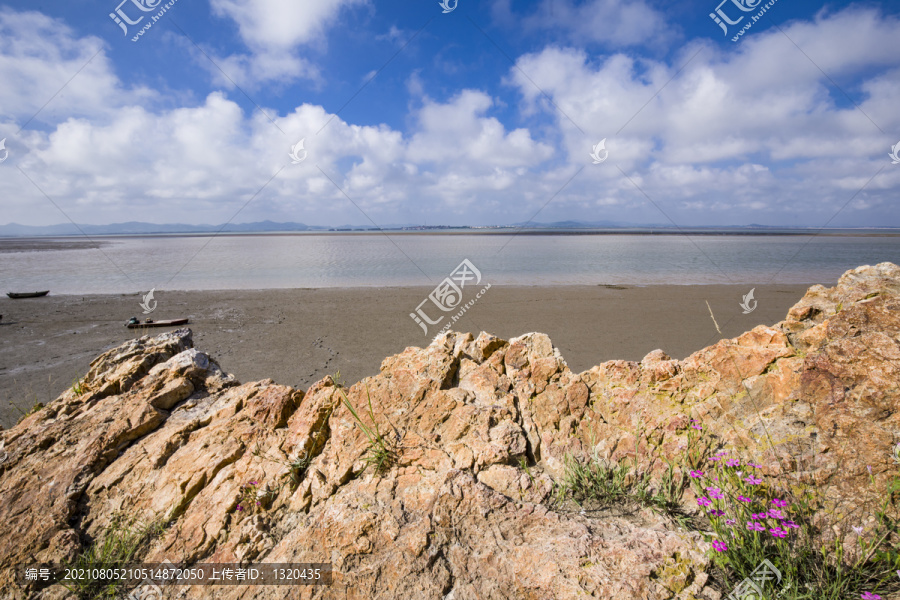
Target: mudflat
297, 336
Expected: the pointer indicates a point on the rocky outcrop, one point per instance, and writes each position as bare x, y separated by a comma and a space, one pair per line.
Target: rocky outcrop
480, 429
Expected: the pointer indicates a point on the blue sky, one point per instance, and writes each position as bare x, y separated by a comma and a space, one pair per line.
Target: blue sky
483, 115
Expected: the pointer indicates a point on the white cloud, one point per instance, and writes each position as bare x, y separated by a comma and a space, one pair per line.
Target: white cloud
733, 138
703, 134
39, 60
274, 31
614, 22
284, 24
125, 159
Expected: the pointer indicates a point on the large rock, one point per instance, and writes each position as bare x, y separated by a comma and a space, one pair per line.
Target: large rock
481, 427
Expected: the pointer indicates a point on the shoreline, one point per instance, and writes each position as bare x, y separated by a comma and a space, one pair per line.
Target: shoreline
96, 239
297, 336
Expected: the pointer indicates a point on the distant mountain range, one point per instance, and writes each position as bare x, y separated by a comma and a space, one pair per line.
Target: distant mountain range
141, 228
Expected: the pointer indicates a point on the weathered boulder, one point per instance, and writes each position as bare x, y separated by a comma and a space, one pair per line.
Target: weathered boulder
479, 427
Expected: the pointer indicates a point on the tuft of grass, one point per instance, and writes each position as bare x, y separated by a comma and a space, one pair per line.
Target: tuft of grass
600, 483
38, 406
380, 455
117, 546
297, 466
78, 386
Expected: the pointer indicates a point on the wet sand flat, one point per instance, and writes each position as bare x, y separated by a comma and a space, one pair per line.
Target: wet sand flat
297, 336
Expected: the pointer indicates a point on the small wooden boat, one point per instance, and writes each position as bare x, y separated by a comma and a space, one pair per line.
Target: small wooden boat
27, 294
135, 324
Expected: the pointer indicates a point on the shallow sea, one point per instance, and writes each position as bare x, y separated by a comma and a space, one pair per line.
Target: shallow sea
132, 264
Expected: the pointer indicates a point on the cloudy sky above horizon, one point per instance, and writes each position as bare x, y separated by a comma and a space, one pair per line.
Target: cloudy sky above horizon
483, 115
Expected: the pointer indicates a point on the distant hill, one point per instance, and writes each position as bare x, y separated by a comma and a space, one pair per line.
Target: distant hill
141, 228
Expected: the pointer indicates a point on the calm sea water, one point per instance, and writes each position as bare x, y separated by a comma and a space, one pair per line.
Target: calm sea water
135, 264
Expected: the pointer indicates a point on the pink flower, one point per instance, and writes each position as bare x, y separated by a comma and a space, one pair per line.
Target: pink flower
753, 480
239, 507
761, 516
732, 462
697, 427
744, 499
703, 501
716, 513
714, 458
738, 473
790, 524
719, 546
730, 521
779, 503
696, 474
755, 466
870, 596
754, 526
715, 493
778, 532
774, 513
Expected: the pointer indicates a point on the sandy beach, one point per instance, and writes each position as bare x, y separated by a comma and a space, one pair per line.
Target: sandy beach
298, 336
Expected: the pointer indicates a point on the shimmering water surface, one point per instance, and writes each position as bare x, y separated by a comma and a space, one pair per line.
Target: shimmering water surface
132, 264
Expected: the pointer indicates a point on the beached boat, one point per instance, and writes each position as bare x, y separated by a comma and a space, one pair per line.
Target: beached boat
135, 324
27, 294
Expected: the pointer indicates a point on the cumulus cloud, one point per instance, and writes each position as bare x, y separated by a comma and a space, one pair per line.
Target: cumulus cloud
124, 159
40, 56
274, 31
736, 137
761, 125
